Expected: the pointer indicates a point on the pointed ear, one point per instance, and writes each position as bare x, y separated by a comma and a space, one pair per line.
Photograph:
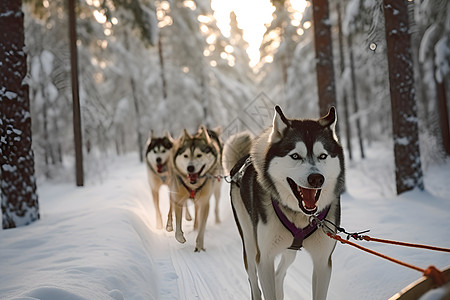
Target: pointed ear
204, 134
218, 130
169, 137
186, 135
330, 120
151, 135
280, 123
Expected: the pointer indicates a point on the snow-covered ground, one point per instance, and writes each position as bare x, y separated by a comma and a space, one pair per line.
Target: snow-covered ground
100, 241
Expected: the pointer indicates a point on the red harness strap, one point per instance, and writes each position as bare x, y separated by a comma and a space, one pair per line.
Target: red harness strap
191, 191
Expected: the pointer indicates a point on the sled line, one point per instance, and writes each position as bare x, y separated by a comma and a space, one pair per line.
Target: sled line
428, 247
432, 272
359, 236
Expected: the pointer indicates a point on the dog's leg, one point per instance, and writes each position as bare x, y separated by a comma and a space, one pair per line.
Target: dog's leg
250, 257
322, 269
250, 250
287, 259
195, 215
203, 211
155, 195
217, 198
266, 272
179, 235
169, 225
188, 214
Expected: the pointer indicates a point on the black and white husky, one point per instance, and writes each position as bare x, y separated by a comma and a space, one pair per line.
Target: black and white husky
157, 153
290, 175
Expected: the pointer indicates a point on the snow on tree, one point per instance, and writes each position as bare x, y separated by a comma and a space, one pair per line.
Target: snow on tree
19, 200
404, 108
433, 27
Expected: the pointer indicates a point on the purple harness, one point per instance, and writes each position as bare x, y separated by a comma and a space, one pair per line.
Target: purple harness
299, 234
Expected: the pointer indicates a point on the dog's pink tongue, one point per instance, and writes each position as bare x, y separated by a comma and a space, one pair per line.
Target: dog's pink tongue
309, 197
193, 177
160, 168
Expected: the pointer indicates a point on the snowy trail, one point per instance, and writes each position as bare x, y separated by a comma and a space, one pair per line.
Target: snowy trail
101, 242
184, 274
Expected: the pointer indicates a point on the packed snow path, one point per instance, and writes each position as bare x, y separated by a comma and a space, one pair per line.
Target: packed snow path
100, 242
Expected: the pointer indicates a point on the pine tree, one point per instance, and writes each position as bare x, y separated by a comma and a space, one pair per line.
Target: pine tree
18, 184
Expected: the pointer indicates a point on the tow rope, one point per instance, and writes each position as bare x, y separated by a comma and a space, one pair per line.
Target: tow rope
438, 277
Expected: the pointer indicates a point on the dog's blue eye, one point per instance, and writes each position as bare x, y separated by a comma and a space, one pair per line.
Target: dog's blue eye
295, 156
323, 156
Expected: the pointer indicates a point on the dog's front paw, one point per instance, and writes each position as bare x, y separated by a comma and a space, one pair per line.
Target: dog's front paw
197, 249
169, 227
180, 237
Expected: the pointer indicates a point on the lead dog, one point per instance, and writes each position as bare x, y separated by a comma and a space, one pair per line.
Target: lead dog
292, 171
194, 163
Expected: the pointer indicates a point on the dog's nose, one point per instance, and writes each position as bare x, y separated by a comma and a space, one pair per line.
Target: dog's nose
191, 169
316, 180
158, 160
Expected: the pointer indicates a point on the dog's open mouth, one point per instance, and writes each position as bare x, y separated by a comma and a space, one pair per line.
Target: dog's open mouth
161, 168
193, 177
307, 198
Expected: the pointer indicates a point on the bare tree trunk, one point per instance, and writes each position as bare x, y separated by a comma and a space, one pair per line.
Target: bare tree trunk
161, 63
75, 96
404, 108
324, 56
348, 133
443, 114
19, 200
138, 120
140, 143
354, 95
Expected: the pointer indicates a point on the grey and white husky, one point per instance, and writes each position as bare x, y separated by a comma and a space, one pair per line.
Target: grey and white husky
194, 164
289, 175
157, 152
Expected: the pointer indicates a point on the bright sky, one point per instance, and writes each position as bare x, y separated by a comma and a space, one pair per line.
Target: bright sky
251, 16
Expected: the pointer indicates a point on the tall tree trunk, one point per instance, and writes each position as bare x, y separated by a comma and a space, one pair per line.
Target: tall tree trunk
161, 64
138, 119
354, 94
324, 56
404, 108
19, 200
75, 96
140, 142
348, 133
443, 115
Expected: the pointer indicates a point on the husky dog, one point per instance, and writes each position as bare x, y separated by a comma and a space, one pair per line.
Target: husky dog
157, 152
194, 163
282, 182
